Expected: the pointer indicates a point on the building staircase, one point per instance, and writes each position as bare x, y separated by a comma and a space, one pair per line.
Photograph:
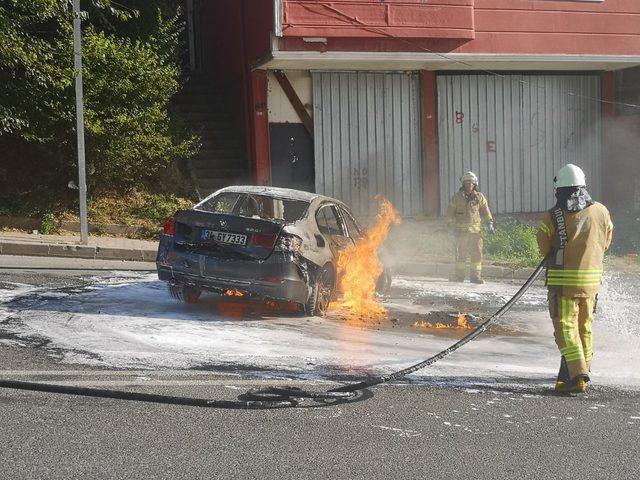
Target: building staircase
222, 160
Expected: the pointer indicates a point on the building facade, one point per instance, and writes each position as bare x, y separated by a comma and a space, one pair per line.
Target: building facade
357, 98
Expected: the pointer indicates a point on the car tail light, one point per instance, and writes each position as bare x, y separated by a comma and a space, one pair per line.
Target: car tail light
266, 240
289, 243
169, 227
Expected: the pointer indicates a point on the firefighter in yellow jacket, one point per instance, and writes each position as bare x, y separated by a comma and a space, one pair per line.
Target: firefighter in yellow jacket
574, 234
467, 210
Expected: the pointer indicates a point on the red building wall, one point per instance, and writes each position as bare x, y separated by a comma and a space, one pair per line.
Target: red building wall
465, 26
375, 18
543, 26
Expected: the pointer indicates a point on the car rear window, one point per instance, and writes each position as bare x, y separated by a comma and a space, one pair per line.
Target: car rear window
223, 203
256, 206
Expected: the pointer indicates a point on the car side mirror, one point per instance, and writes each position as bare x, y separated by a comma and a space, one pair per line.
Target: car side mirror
319, 240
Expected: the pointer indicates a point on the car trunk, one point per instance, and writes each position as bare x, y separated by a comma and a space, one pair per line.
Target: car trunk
226, 235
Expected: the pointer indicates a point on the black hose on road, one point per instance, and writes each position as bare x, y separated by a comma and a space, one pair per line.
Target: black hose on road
278, 397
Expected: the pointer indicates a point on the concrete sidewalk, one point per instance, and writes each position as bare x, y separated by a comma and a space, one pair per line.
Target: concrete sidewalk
99, 248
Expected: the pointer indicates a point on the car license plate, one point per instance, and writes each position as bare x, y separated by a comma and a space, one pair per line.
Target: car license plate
224, 237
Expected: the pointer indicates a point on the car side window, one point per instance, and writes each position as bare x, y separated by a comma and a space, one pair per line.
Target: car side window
328, 221
350, 223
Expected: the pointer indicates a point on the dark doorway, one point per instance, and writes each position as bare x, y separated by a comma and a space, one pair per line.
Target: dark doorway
292, 164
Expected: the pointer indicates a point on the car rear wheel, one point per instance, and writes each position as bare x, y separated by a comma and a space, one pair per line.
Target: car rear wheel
321, 290
184, 294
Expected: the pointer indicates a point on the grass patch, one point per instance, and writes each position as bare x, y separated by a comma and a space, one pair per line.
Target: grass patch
135, 207
146, 211
514, 244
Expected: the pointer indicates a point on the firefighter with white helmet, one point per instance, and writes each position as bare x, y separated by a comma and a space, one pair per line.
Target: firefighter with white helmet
467, 210
574, 235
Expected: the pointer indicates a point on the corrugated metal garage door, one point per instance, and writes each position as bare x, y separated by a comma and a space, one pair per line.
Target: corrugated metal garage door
368, 139
515, 131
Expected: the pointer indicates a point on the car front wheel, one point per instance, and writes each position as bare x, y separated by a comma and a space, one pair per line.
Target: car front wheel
383, 284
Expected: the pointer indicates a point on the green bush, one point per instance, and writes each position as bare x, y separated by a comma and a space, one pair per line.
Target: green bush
514, 243
130, 71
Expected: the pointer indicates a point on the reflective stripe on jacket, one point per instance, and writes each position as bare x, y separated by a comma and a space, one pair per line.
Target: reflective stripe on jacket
466, 212
589, 234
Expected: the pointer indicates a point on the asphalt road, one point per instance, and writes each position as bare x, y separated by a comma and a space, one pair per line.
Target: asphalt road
448, 430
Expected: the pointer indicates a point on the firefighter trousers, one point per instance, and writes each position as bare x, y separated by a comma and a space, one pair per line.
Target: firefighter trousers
572, 319
468, 245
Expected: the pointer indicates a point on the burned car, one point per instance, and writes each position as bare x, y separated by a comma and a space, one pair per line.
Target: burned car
258, 242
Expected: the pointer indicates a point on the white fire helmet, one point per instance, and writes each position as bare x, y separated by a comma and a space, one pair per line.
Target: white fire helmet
469, 176
570, 176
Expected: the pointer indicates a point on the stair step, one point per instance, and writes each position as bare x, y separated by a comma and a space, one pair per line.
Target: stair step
220, 173
220, 138
213, 125
227, 143
190, 116
219, 154
212, 152
202, 88
200, 107
207, 163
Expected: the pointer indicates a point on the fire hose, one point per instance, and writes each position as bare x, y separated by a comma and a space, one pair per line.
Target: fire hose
278, 397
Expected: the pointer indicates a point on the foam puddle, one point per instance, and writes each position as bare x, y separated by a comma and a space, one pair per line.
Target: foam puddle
130, 322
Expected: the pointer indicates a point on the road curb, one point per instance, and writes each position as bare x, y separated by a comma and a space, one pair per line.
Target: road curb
92, 252
447, 269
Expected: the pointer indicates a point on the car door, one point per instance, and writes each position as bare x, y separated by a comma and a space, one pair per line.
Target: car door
353, 230
332, 228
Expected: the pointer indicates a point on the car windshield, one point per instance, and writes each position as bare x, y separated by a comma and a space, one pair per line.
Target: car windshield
256, 206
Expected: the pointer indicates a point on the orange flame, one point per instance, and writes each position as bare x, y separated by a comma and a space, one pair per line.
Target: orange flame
359, 267
233, 293
462, 323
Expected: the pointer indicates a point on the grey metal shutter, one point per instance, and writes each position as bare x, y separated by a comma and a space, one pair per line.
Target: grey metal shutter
514, 132
368, 139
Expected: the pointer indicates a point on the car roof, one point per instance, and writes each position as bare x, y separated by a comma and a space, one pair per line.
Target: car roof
286, 193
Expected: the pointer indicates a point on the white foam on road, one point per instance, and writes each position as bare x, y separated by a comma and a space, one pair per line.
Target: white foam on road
131, 322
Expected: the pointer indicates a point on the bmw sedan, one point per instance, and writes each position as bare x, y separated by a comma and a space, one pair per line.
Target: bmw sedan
264, 243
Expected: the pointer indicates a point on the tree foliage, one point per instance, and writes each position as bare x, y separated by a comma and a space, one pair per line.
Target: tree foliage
130, 72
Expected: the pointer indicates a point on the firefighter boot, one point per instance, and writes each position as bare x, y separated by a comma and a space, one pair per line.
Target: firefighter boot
563, 376
476, 267
564, 384
577, 384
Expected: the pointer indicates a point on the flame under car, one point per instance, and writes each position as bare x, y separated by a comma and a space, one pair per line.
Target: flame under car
259, 242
